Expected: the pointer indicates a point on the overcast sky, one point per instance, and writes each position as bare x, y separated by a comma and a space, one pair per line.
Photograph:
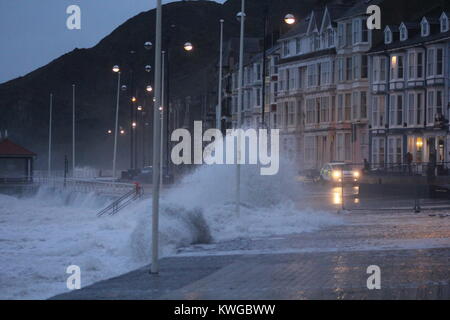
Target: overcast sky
34, 32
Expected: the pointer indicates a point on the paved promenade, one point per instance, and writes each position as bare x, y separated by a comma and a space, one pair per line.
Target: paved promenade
412, 251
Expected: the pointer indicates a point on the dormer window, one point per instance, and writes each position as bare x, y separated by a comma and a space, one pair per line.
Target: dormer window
403, 32
425, 28
444, 22
387, 36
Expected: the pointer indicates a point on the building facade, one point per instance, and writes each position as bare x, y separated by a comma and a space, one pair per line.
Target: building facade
410, 93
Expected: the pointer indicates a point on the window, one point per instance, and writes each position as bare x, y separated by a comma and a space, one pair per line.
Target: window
291, 113
286, 48
444, 23
325, 73
365, 31
310, 111
378, 152
403, 33
415, 109
330, 37
287, 79
298, 48
364, 67
341, 35
411, 65
378, 111
387, 36
383, 69
324, 110
395, 150
341, 68
348, 34
340, 108
439, 61
348, 107
425, 28
356, 31
419, 73
312, 75
396, 110
430, 66
363, 106
333, 109
399, 110
356, 62
435, 64
434, 108
355, 114
348, 71
430, 107
397, 67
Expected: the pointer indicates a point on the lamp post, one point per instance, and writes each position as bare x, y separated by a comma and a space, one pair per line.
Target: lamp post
219, 104
154, 269
240, 15
116, 69
73, 130
49, 168
162, 107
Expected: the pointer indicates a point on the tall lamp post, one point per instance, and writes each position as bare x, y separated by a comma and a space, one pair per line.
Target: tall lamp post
50, 137
116, 69
240, 15
219, 104
154, 269
73, 130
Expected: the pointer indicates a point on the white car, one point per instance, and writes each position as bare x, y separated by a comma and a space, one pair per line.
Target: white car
337, 172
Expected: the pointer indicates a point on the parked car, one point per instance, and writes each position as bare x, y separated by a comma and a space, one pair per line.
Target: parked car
338, 172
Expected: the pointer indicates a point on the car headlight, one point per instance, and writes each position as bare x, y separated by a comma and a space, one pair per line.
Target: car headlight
336, 174
356, 174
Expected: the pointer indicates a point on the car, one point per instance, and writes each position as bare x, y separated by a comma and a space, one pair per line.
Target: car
339, 172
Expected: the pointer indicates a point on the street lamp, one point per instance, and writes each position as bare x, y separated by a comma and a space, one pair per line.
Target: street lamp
241, 18
148, 45
188, 46
219, 104
134, 124
116, 69
289, 19
148, 68
149, 88
139, 108
154, 269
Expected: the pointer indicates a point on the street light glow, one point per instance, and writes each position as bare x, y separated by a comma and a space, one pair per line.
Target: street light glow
188, 46
289, 19
148, 45
133, 99
116, 68
139, 108
149, 89
109, 131
134, 124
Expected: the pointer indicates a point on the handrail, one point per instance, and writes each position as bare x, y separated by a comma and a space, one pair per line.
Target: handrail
122, 202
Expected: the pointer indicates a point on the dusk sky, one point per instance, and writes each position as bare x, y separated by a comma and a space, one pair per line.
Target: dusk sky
34, 32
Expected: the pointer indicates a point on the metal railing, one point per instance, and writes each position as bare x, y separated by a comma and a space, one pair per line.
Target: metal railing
122, 202
414, 168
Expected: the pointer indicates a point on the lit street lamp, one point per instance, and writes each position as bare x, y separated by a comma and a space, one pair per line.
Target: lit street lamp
149, 88
116, 69
289, 19
188, 46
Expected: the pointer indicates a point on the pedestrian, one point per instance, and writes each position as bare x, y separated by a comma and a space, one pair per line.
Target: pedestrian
366, 165
409, 160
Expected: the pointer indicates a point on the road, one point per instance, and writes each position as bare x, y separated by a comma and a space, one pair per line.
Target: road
412, 250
